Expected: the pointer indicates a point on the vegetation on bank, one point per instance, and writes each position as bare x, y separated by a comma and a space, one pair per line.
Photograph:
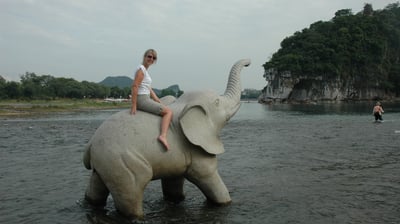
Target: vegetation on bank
362, 50
47, 87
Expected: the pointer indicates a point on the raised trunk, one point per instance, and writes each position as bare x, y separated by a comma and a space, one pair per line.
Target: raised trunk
233, 88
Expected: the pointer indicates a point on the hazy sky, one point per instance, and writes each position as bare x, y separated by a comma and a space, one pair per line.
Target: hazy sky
197, 40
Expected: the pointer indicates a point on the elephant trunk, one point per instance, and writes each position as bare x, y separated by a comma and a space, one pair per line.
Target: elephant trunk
233, 88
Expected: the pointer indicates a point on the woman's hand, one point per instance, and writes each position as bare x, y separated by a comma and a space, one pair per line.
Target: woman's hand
154, 96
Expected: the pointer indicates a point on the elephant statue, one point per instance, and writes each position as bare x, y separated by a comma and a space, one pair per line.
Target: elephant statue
125, 155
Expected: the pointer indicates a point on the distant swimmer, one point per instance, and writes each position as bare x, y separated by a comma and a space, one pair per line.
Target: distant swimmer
377, 112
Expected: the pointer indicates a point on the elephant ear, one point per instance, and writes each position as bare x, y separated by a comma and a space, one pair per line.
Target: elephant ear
200, 130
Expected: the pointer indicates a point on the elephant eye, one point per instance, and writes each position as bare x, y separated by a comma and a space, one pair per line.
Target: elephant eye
217, 102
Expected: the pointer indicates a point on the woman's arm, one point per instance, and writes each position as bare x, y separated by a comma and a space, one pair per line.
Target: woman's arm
154, 96
134, 89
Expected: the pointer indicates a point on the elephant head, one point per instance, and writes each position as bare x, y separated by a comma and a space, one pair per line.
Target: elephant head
207, 113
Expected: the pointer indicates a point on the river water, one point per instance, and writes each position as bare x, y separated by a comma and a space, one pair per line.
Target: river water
327, 163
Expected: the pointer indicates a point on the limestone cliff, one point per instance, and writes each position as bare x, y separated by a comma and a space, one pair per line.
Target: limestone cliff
285, 88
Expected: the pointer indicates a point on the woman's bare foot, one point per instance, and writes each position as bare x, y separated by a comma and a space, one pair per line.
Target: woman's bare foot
164, 141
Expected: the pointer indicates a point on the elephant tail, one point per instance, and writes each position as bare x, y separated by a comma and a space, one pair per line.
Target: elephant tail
86, 156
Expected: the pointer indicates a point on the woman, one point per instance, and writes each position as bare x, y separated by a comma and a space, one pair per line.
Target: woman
378, 111
144, 98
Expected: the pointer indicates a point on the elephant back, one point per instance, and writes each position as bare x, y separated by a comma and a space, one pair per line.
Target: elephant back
123, 129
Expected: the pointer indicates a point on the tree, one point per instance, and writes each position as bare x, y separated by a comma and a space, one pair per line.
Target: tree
3, 94
94, 90
73, 89
13, 90
368, 10
343, 12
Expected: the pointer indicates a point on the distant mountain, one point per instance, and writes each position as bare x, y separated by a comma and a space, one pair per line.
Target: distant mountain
124, 81
172, 90
117, 81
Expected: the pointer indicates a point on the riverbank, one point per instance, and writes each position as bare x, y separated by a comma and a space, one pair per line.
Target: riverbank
20, 108
284, 101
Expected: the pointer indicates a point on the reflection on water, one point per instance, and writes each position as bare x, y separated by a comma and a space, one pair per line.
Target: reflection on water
283, 164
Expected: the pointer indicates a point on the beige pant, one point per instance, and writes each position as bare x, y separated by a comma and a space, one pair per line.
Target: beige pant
145, 103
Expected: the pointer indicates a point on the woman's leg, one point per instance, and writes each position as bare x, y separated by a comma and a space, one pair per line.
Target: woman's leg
166, 114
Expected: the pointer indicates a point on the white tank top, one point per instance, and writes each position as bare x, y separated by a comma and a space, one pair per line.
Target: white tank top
144, 87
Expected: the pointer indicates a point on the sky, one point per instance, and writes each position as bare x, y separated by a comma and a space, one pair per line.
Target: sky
197, 41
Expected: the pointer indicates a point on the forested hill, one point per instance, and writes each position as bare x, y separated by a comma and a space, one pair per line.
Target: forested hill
361, 50
118, 81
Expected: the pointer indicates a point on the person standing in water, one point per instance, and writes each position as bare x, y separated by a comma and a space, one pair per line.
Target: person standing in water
144, 98
377, 112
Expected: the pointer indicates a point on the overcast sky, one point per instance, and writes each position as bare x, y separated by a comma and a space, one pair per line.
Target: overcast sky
197, 40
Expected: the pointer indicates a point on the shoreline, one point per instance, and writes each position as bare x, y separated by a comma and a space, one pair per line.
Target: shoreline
22, 109
18, 108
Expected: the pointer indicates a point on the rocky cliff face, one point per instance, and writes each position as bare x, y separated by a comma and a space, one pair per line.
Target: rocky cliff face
285, 88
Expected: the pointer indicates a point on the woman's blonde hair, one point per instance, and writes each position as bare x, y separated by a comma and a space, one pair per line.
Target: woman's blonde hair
150, 51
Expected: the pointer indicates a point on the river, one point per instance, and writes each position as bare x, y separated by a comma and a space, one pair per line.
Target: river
325, 163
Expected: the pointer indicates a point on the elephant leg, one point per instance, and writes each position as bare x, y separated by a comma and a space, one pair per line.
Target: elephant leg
96, 192
213, 188
173, 189
127, 190
130, 202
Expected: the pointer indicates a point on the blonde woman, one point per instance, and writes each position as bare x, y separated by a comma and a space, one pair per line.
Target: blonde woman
144, 98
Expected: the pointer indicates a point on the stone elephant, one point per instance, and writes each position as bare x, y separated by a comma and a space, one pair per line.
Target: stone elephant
125, 155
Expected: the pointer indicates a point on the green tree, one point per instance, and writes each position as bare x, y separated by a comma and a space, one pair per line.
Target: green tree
3, 94
94, 90
368, 10
13, 90
116, 92
73, 89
